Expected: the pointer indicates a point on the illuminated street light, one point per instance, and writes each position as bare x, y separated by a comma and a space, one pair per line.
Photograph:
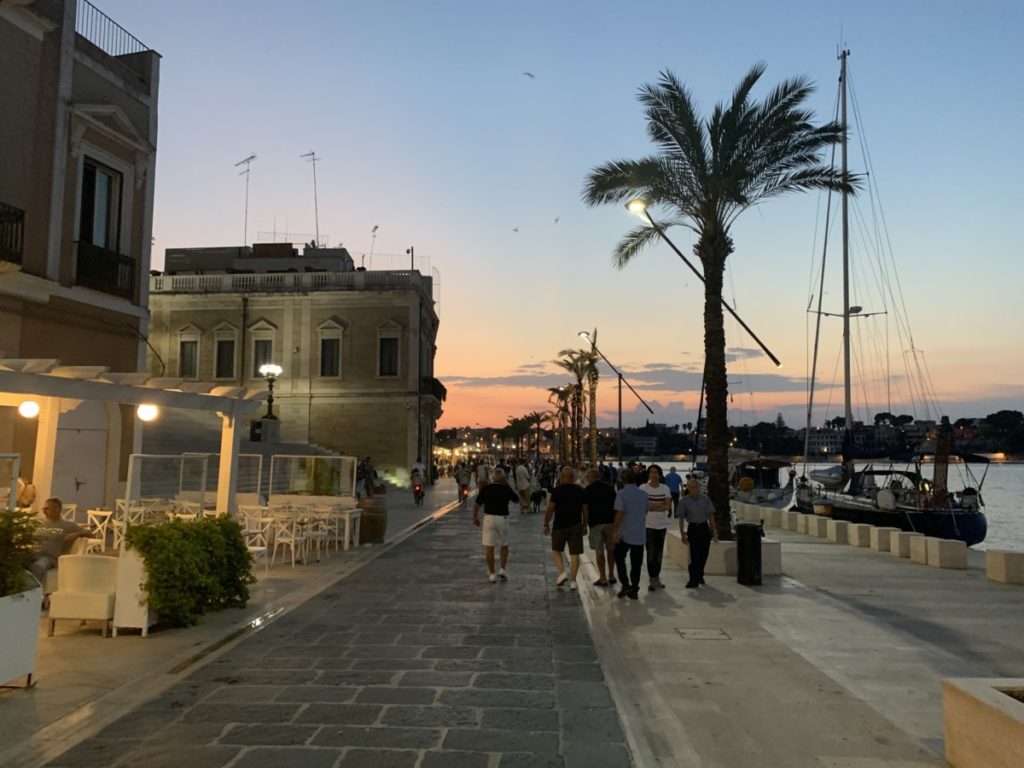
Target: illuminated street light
638, 207
270, 372
147, 412
593, 346
29, 409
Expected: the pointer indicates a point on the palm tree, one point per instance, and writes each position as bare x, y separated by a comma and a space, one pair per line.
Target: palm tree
559, 397
705, 174
593, 375
534, 419
575, 361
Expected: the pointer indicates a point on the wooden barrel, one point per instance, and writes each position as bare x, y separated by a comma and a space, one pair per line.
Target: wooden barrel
373, 522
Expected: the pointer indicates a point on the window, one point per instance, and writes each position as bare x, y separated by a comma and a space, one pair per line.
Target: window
99, 220
388, 356
188, 358
262, 353
225, 360
330, 357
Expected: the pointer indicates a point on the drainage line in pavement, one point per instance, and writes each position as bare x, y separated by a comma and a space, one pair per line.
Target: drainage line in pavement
252, 626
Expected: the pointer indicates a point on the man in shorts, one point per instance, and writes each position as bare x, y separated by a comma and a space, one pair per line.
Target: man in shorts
598, 518
494, 497
566, 506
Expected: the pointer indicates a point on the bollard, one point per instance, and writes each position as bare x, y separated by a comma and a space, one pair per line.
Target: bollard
748, 554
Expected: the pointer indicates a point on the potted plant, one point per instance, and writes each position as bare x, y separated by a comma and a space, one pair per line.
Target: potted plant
20, 597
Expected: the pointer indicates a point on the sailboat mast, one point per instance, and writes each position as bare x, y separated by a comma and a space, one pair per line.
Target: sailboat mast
846, 252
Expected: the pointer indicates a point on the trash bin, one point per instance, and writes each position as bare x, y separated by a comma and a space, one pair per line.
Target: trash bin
748, 553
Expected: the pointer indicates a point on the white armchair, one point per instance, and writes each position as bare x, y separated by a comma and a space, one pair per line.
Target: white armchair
86, 585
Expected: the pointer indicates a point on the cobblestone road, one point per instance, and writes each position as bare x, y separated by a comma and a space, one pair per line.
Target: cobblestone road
415, 660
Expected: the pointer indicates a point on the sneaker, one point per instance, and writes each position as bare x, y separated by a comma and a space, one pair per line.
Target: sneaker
502, 575
561, 580
492, 578
656, 584
634, 593
572, 586
623, 593
612, 581
692, 585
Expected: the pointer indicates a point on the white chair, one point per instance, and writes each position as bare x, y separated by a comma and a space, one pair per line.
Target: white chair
257, 532
69, 512
99, 521
131, 512
117, 531
86, 586
330, 523
351, 518
288, 533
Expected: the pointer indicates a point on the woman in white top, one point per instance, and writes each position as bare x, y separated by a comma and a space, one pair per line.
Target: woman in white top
659, 506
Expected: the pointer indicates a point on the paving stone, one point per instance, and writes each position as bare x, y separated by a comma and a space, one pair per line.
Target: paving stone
584, 671
288, 757
393, 664
340, 714
490, 740
450, 652
437, 679
379, 758
356, 677
375, 638
176, 756
436, 715
527, 666
266, 677
180, 696
514, 681
382, 695
507, 719
242, 713
455, 760
194, 734
309, 693
573, 694
592, 725
384, 651
574, 653
379, 736
528, 760
430, 639
496, 697
592, 755
137, 725
94, 753
517, 654
268, 734
242, 694
489, 640
467, 665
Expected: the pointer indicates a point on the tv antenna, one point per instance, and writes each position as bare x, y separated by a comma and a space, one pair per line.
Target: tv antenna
311, 157
373, 242
245, 226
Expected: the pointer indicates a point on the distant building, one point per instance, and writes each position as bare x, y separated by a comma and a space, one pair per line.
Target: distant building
356, 347
78, 134
823, 442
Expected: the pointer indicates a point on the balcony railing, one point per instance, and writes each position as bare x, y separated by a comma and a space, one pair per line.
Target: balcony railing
105, 270
289, 282
105, 33
431, 386
12, 233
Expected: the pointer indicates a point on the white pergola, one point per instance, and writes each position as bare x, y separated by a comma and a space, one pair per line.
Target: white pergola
50, 384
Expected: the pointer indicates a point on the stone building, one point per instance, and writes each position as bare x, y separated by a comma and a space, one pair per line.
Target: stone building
78, 125
356, 347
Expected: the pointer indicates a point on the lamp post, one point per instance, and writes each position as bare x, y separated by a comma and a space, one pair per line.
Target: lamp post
270, 372
622, 380
639, 207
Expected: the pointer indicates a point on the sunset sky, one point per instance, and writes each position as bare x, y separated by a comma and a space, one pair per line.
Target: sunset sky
429, 129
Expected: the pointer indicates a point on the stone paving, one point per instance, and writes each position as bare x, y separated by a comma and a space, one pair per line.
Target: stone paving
415, 660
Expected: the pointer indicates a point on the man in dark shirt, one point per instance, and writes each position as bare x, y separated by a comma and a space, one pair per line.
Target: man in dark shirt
566, 505
598, 516
494, 498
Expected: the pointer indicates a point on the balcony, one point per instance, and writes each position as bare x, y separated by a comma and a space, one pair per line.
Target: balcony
100, 37
105, 270
12, 235
433, 387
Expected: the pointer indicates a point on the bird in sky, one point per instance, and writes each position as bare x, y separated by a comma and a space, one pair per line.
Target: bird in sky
557, 218
515, 228
530, 75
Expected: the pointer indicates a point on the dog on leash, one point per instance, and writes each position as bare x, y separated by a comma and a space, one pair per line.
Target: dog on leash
537, 499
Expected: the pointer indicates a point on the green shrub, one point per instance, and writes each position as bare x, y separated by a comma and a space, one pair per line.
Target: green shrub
193, 567
17, 551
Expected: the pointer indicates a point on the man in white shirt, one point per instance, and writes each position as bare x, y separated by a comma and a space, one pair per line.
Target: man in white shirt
659, 506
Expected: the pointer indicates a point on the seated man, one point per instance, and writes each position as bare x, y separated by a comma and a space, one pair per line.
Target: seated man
52, 534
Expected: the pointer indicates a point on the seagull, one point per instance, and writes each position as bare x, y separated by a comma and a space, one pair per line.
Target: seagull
515, 228
530, 75
557, 218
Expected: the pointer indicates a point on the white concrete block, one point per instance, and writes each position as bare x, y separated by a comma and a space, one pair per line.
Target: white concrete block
858, 535
1004, 566
881, 538
773, 518
817, 526
789, 519
801, 523
983, 726
899, 542
946, 553
919, 549
722, 557
837, 531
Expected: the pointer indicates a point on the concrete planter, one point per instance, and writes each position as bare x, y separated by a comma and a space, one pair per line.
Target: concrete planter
983, 725
19, 634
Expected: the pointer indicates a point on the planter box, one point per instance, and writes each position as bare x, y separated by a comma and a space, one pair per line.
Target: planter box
983, 726
19, 634
131, 605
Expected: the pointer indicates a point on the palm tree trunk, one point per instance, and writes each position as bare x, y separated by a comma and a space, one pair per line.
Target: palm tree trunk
713, 249
593, 423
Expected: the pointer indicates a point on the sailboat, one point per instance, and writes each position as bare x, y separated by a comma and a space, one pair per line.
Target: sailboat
868, 489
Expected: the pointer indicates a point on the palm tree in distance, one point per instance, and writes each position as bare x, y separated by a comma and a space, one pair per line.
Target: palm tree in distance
705, 174
576, 362
559, 397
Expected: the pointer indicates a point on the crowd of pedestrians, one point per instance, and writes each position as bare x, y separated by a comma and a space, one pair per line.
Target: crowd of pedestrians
624, 513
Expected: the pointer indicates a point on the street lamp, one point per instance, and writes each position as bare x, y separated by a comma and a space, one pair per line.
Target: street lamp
639, 208
622, 380
270, 372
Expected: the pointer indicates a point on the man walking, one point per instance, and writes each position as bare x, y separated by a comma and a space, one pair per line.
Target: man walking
598, 519
629, 533
659, 504
495, 498
675, 484
523, 485
697, 514
566, 505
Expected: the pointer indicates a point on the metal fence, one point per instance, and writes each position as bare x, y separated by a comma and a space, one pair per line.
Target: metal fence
12, 233
105, 33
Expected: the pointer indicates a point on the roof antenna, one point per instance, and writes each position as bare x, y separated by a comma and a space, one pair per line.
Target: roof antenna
373, 242
245, 227
312, 158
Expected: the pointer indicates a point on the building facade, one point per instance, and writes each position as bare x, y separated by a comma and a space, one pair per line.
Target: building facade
78, 132
356, 347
